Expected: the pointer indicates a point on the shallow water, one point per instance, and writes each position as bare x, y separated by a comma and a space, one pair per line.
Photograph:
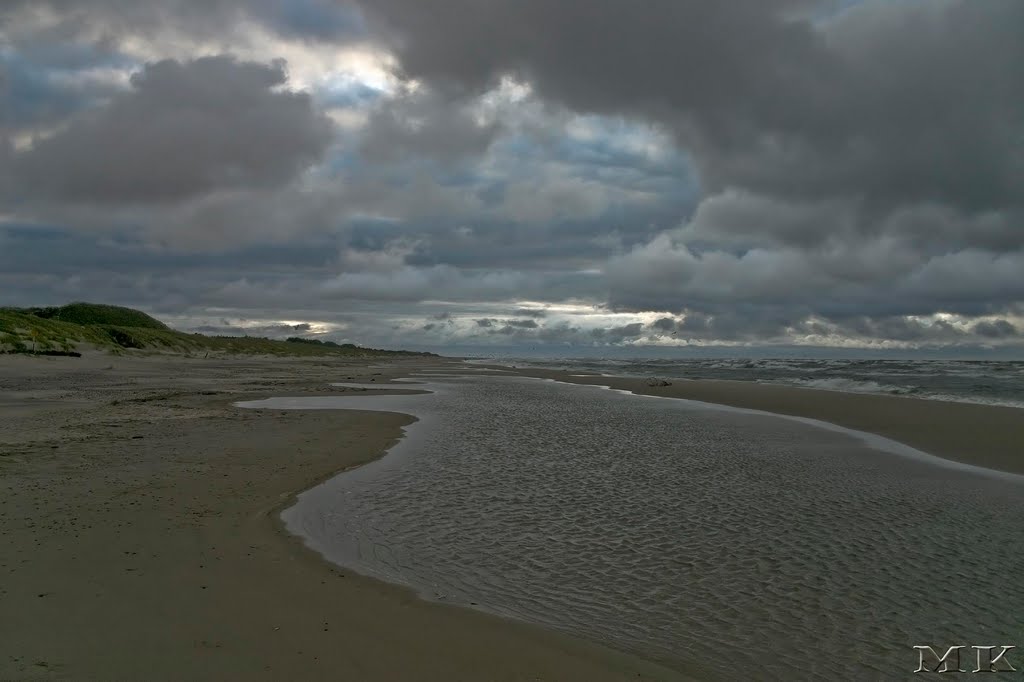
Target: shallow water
751, 546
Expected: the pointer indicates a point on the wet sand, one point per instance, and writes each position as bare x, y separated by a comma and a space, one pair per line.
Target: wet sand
982, 435
141, 539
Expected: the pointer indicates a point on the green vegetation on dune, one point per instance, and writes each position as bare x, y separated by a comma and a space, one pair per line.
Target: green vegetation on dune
98, 314
62, 329
318, 342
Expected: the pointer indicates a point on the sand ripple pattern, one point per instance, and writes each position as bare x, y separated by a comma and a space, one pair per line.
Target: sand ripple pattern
754, 547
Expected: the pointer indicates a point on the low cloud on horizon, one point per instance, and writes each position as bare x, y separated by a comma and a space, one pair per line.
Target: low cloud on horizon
528, 174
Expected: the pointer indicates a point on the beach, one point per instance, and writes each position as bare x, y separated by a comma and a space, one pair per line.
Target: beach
988, 436
139, 520
139, 512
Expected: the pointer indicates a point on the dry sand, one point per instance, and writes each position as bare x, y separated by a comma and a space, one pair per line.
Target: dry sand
982, 435
140, 538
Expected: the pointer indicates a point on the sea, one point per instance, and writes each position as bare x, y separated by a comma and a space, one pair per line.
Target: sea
724, 543
988, 382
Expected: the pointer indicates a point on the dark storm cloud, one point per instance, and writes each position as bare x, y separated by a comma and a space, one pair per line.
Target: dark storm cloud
998, 329
600, 55
531, 312
750, 171
424, 125
270, 330
895, 100
664, 324
182, 130
493, 323
618, 334
742, 219
528, 330
877, 277
868, 162
523, 329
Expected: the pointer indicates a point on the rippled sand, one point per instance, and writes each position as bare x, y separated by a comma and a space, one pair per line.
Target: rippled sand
753, 546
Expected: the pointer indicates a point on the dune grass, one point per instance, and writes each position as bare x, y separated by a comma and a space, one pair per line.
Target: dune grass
98, 314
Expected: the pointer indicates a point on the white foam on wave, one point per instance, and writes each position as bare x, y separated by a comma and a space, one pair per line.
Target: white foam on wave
844, 385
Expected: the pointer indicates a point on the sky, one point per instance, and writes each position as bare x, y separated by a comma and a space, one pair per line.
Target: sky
556, 176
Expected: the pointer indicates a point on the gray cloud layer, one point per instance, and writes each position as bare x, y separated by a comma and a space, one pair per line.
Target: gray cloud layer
894, 100
182, 130
750, 171
868, 163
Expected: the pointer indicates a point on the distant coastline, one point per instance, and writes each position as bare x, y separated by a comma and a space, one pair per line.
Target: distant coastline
69, 329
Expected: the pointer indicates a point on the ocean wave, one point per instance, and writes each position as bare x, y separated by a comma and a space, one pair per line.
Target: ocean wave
995, 382
846, 385
974, 400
